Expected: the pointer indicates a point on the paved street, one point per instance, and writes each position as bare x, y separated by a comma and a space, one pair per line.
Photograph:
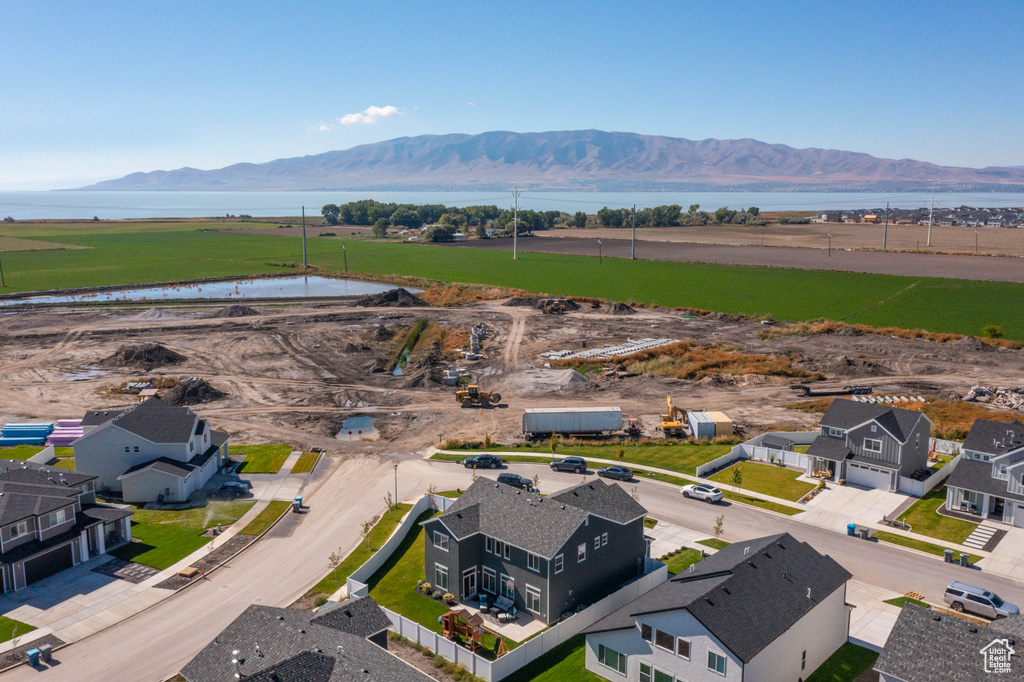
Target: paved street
281, 567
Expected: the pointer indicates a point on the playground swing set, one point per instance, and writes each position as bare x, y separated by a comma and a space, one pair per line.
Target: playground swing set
460, 624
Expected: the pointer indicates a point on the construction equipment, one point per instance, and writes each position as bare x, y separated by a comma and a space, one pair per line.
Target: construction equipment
472, 396
554, 309
850, 389
633, 428
672, 422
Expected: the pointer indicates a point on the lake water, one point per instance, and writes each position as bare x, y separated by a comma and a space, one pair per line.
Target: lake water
358, 428
124, 205
275, 287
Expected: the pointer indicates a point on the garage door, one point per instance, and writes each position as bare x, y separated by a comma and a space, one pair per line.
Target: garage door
45, 565
869, 477
1018, 516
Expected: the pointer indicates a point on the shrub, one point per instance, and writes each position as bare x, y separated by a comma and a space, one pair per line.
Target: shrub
992, 331
448, 598
320, 601
439, 661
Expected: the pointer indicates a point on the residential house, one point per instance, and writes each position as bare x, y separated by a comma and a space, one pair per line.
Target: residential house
50, 521
989, 476
995, 221
869, 444
152, 452
548, 555
345, 643
926, 645
771, 609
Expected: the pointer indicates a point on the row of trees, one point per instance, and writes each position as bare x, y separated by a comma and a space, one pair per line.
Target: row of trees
673, 216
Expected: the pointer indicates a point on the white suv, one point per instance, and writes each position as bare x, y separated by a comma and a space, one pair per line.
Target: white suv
702, 491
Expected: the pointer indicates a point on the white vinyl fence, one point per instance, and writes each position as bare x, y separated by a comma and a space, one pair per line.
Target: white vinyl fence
753, 450
44, 456
919, 488
492, 671
946, 447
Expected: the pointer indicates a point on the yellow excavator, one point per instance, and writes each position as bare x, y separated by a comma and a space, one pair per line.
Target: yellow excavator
472, 396
672, 423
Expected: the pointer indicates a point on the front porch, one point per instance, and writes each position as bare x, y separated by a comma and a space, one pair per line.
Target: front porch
971, 505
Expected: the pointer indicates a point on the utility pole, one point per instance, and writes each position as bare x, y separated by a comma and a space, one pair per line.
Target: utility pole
304, 263
930, 221
598, 251
829, 244
632, 246
2, 282
515, 225
885, 232
345, 251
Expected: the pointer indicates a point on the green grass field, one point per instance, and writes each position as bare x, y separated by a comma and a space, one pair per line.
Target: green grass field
261, 459
274, 510
160, 546
305, 463
767, 480
20, 451
714, 543
564, 663
678, 563
199, 518
901, 601
924, 519
10, 628
847, 664
133, 254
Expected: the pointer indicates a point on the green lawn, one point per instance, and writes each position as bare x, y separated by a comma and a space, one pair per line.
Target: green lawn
925, 520
564, 663
199, 518
130, 253
714, 543
677, 563
900, 601
160, 546
649, 522
382, 530
19, 451
266, 518
845, 665
261, 459
766, 479
920, 545
306, 462
64, 452
10, 628
66, 463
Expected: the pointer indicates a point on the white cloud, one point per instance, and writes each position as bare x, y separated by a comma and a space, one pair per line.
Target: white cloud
322, 128
369, 115
472, 104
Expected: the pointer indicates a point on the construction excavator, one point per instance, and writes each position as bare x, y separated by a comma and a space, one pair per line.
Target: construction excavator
472, 396
672, 423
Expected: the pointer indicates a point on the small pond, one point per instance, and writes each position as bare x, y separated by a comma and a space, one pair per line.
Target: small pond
269, 287
399, 369
359, 428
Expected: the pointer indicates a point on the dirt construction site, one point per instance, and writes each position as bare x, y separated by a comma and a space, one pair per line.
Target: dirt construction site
293, 372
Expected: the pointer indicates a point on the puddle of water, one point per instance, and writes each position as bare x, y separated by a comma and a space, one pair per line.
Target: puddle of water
358, 428
402, 362
272, 287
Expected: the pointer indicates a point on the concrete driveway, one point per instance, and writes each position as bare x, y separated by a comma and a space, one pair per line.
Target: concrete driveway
839, 505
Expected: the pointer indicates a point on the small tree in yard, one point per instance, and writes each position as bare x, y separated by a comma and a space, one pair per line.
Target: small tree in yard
992, 331
487, 441
620, 451
719, 527
536, 481
635, 494
553, 443
364, 530
432, 491
737, 477
390, 504
334, 560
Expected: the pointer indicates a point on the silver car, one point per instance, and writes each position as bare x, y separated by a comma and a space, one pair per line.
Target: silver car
964, 597
702, 491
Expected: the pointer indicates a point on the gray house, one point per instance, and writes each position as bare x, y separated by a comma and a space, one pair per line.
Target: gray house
347, 643
870, 445
546, 555
989, 476
768, 610
50, 521
926, 645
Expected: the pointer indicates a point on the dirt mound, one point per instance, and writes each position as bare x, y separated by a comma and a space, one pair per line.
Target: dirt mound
236, 311
143, 356
849, 331
382, 333
522, 301
971, 343
619, 308
394, 298
192, 393
357, 348
156, 314
845, 366
540, 302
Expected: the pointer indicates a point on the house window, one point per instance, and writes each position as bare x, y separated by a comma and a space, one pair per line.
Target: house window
716, 663
191, 446
597, 542
127, 449
803, 660
19, 529
683, 648
665, 641
533, 562
872, 445
1002, 470
58, 517
559, 563
645, 672
489, 545
441, 541
508, 587
532, 599
136, 448
874, 428
610, 658
507, 551
645, 632
581, 553
604, 539
490, 581
441, 576
835, 433
660, 676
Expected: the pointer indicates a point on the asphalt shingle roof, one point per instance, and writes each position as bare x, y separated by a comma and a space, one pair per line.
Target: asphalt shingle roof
829, 448
28, 489
296, 649
970, 474
97, 417
777, 442
746, 595
158, 422
995, 438
164, 464
540, 525
360, 616
846, 414
925, 646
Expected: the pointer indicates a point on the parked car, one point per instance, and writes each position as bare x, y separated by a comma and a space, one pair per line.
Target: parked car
577, 465
964, 597
482, 462
616, 471
702, 491
516, 481
233, 488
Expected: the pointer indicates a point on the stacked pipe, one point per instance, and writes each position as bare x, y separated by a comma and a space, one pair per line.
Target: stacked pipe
65, 433
25, 434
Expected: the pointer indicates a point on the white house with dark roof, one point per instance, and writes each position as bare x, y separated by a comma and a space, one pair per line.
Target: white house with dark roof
151, 452
989, 476
870, 445
766, 610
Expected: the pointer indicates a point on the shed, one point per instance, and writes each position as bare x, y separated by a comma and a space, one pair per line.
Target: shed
777, 443
702, 426
723, 425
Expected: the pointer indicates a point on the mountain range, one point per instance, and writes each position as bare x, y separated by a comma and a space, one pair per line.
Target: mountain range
577, 160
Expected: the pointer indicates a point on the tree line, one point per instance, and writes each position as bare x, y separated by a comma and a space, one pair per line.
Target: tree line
673, 216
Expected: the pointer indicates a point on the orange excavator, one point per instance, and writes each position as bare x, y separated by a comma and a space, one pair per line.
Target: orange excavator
672, 423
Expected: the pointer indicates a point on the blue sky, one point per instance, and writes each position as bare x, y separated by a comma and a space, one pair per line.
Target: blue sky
92, 90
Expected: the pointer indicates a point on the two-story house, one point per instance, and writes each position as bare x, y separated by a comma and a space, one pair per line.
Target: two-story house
768, 610
50, 520
152, 452
989, 476
870, 445
548, 555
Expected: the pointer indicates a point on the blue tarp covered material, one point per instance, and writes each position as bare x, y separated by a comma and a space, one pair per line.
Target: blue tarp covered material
8, 442
25, 434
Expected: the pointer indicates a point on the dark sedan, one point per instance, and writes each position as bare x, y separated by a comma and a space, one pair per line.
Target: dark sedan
616, 471
482, 462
